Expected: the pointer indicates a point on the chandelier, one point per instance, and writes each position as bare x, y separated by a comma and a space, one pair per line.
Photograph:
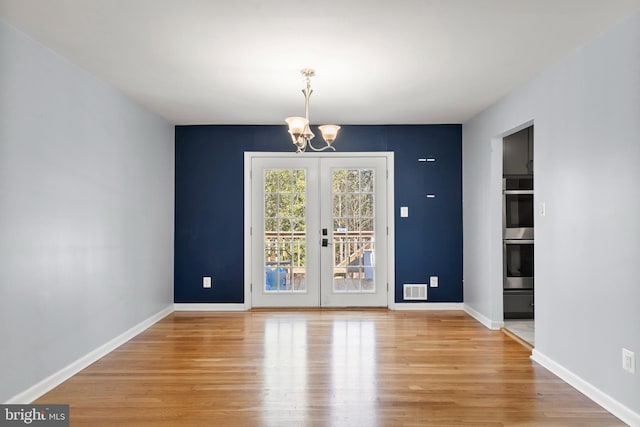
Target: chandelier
299, 129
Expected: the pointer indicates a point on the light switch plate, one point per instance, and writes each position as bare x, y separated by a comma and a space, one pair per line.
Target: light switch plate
628, 361
404, 211
206, 282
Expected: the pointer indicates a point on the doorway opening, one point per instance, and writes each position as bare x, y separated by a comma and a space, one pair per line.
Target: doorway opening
518, 234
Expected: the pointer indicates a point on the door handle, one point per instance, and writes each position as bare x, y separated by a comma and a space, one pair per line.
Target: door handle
325, 241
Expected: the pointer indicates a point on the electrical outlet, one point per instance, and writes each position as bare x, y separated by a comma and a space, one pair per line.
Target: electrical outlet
628, 361
433, 281
206, 282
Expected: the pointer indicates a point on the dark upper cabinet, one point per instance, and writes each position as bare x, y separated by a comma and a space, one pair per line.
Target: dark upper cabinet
518, 153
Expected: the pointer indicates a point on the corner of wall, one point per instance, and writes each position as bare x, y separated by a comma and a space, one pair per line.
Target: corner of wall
49, 383
490, 324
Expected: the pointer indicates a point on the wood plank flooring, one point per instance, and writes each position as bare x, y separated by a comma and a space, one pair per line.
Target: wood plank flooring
322, 368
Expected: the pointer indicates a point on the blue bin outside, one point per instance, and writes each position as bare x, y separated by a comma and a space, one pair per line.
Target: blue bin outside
368, 264
275, 276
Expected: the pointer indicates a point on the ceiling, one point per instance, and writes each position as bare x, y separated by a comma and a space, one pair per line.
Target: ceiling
238, 62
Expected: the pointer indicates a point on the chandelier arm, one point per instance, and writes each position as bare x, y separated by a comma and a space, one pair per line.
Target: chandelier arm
320, 149
301, 144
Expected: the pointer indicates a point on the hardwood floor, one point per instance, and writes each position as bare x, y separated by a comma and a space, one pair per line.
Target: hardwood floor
322, 368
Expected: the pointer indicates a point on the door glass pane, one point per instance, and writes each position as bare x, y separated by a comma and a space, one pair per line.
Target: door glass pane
353, 232
285, 231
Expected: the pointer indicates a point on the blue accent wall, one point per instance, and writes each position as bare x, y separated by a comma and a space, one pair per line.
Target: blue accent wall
209, 204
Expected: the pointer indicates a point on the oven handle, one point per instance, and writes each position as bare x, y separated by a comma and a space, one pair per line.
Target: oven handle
516, 192
518, 242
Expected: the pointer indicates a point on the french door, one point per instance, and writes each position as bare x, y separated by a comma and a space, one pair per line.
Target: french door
319, 231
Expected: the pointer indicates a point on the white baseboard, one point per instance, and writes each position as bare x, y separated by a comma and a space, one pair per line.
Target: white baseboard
493, 325
46, 385
406, 306
210, 307
607, 402
246, 307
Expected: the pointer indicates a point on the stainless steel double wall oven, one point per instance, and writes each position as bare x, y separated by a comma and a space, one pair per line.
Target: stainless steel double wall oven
518, 246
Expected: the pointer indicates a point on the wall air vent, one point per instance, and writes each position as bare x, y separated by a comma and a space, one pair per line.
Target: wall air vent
415, 291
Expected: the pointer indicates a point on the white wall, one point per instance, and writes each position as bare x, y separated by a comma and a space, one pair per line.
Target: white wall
586, 113
86, 213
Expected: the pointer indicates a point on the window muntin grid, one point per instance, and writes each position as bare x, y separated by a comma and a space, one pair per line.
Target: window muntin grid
285, 231
353, 207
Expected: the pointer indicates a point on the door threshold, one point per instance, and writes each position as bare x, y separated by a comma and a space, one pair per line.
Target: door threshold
517, 339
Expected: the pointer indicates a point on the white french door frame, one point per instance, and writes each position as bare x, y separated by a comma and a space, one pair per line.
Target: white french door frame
250, 282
